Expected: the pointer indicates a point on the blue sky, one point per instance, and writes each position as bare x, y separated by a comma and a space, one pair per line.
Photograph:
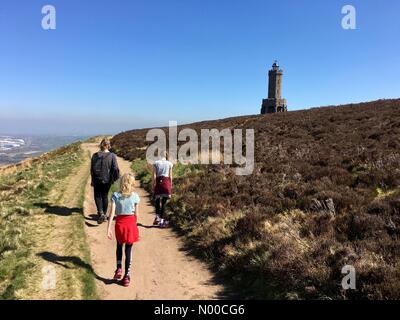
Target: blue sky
121, 64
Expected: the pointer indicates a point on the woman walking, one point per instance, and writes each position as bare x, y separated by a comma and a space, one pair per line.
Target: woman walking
162, 187
104, 172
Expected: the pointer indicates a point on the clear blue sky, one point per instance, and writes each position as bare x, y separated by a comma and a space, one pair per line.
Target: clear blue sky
113, 65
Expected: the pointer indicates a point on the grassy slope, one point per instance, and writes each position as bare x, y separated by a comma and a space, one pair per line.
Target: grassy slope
26, 226
270, 233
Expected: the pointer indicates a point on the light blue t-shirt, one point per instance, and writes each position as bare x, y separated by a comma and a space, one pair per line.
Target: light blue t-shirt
162, 167
125, 206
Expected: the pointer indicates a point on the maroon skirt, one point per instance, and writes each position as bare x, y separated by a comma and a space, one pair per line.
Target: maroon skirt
126, 230
163, 187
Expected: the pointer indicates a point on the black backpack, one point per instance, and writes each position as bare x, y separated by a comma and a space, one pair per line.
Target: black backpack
101, 168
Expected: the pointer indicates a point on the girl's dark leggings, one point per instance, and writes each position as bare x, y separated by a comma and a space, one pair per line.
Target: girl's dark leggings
160, 206
128, 257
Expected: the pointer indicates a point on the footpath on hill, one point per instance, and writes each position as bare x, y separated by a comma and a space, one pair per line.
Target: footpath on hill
161, 269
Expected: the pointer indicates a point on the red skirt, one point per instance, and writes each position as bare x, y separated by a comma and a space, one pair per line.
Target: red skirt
163, 187
126, 230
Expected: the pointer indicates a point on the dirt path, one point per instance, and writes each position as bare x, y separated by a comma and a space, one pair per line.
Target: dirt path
160, 270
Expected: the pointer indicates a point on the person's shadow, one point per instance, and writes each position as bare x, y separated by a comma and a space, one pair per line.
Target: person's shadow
66, 261
147, 227
91, 217
58, 210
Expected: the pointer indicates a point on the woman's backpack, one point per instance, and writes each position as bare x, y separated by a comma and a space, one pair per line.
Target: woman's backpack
101, 166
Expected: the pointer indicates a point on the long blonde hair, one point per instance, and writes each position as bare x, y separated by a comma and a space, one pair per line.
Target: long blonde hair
127, 184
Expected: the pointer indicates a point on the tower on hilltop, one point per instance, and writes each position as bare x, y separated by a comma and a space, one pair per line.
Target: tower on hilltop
274, 103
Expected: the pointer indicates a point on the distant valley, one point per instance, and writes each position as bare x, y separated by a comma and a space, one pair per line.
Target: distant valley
15, 148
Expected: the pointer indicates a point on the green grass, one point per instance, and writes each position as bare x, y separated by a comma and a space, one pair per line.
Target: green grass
21, 194
89, 291
114, 187
182, 170
96, 139
143, 171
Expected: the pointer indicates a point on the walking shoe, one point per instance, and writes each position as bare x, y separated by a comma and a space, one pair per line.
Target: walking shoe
101, 218
157, 221
126, 281
164, 224
118, 274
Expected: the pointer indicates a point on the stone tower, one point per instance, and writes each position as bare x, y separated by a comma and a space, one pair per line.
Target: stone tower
274, 103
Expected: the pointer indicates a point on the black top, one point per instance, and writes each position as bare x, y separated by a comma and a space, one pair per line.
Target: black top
104, 167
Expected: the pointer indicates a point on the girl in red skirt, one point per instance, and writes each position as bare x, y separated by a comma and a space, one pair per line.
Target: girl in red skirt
162, 186
125, 205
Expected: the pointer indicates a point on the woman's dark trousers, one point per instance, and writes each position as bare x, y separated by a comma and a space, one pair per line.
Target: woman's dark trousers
101, 191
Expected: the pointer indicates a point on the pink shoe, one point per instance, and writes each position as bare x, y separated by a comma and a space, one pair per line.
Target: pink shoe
118, 274
126, 281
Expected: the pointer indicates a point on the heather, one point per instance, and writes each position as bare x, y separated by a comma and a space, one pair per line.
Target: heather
324, 194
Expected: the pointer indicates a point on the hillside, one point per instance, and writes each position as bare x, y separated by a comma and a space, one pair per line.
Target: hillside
41, 227
324, 194
52, 248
